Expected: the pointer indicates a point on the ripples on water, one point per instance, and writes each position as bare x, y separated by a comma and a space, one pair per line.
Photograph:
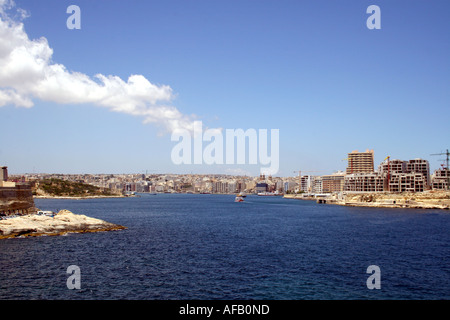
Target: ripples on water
208, 247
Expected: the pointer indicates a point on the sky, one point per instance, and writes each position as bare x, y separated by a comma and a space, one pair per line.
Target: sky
107, 97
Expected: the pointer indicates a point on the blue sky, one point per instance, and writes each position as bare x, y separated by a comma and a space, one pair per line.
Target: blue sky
311, 69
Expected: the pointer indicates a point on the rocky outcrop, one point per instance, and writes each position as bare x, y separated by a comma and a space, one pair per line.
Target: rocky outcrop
419, 200
61, 223
436, 199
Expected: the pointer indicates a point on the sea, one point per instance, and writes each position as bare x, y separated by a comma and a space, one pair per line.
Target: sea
208, 247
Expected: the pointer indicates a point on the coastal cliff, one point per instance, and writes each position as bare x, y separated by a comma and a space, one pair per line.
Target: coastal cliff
61, 223
419, 200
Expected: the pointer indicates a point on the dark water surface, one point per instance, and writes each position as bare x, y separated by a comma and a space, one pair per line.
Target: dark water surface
209, 247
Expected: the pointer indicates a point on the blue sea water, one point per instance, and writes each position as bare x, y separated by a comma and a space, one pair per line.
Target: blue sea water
185, 246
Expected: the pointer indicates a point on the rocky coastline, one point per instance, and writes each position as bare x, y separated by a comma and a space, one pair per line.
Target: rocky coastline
61, 223
414, 200
77, 197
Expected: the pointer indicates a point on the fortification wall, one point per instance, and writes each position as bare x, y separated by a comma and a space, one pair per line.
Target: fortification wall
16, 200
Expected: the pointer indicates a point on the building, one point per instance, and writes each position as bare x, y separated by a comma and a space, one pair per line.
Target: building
307, 183
419, 166
407, 182
440, 179
333, 182
219, 187
250, 186
231, 187
403, 175
16, 198
393, 166
360, 162
240, 186
317, 188
224, 187
289, 186
364, 182
261, 187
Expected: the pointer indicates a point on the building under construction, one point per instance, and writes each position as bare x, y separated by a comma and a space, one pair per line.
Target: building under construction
365, 182
407, 182
419, 166
360, 162
392, 166
440, 179
393, 176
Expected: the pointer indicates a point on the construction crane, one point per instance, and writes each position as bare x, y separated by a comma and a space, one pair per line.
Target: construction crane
300, 172
447, 154
441, 154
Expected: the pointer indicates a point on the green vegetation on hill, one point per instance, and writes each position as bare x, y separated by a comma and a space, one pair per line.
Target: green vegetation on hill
63, 188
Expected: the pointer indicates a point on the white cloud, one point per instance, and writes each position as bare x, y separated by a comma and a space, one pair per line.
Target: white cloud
237, 172
27, 72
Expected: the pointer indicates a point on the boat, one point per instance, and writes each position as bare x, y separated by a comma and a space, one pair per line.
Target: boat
276, 193
46, 213
243, 195
239, 199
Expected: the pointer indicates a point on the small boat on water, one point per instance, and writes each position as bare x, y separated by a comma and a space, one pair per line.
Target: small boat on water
241, 194
239, 199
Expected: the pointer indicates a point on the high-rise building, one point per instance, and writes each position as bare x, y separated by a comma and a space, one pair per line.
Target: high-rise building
318, 185
307, 183
360, 162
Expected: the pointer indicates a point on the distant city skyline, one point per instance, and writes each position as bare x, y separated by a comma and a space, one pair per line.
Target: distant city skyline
105, 98
349, 170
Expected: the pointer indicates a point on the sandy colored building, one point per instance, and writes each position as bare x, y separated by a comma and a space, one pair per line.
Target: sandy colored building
360, 162
333, 182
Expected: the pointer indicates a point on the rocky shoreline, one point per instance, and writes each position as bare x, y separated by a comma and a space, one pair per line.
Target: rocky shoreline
413, 200
61, 223
77, 197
